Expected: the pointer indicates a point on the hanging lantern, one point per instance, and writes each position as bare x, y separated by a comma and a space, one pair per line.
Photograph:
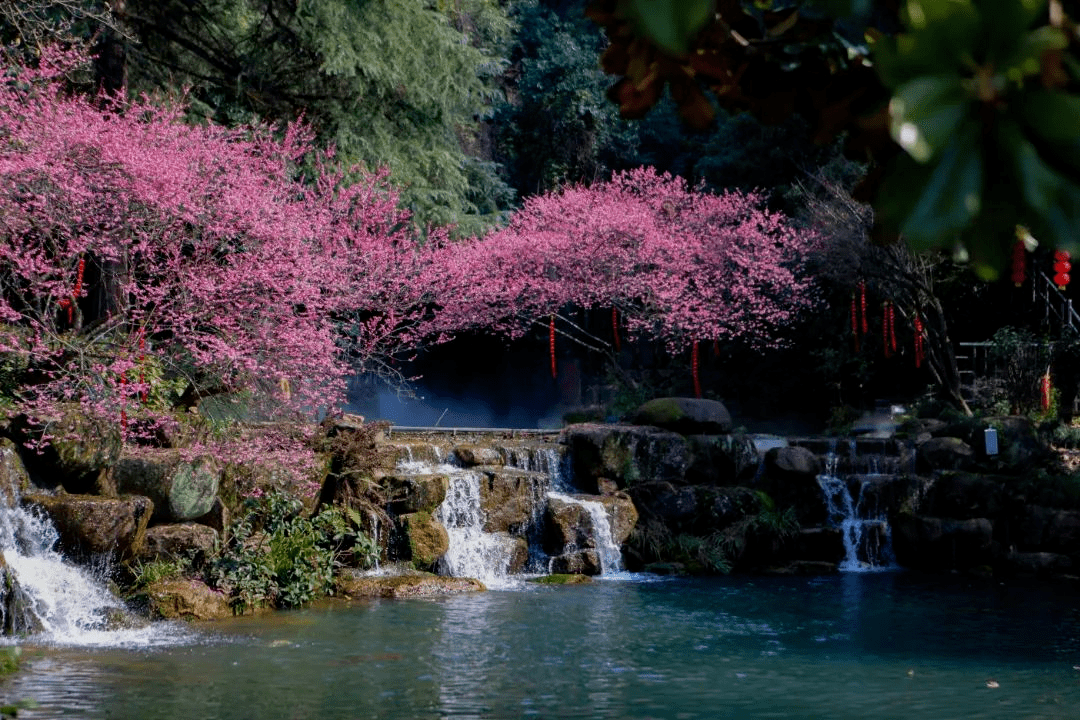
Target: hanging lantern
892, 327
1019, 263
551, 344
885, 328
1062, 266
862, 306
854, 322
1044, 388
919, 348
694, 369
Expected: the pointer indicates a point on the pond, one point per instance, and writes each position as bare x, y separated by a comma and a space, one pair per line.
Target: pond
857, 645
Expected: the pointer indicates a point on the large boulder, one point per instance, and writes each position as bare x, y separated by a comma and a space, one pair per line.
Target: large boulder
1045, 529
790, 478
425, 539
182, 487
568, 527
90, 526
14, 480
965, 495
179, 541
686, 416
622, 515
625, 454
415, 493
472, 455
512, 500
185, 599
945, 453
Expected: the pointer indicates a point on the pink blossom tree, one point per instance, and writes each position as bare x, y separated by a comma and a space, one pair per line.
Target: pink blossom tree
139, 249
677, 264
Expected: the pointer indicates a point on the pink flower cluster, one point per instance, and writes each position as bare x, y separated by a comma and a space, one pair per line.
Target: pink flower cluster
678, 264
237, 258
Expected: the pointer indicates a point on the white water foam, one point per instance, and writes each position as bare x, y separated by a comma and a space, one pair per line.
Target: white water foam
867, 540
72, 606
609, 553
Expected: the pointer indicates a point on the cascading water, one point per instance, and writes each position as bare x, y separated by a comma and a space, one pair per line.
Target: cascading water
866, 532
609, 553
60, 603
489, 557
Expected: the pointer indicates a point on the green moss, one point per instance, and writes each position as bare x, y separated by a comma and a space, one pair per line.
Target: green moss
9, 659
562, 579
660, 411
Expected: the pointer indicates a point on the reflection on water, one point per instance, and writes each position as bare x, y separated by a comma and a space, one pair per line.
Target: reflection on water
849, 646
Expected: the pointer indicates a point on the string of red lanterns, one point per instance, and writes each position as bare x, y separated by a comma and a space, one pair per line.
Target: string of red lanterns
920, 347
1019, 263
694, 369
1062, 266
615, 328
551, 344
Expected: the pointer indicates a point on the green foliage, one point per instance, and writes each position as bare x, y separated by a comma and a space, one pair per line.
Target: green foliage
149, 573
1020, 361
389, 83
278, 557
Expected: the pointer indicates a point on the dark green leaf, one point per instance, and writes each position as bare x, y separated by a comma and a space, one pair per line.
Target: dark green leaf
925, 112
953, 195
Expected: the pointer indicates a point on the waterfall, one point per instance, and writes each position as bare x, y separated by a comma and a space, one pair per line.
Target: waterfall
472, 552
866, 533
609, 553
58, 602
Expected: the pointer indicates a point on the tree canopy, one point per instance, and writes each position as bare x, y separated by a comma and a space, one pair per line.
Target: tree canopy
966, 110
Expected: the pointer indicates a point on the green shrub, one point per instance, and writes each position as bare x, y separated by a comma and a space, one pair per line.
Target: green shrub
279, 558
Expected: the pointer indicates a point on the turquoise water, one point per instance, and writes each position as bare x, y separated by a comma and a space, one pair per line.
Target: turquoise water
885, 645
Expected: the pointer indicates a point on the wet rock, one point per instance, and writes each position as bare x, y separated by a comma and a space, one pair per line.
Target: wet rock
622, 515
627, 454
1019, 447
518, 556
792, 461
181, 488
805, 567
416, 493
186, 599
17, 616
181, 541
675, 507
425, 539
511, 499
686, 416
473, 455
581, 562
355, 586
945, 453
14, 480
568, 526
721, 459
562, 579
91, 526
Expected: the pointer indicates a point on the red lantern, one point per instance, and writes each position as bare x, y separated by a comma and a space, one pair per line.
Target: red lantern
1062, 266
551, 344
920, 352
1044, 386
862, 306
1019, 261
694, 369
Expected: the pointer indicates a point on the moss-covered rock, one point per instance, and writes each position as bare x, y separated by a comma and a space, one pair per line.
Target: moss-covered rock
425, 539
415, 493
179, 541
186, 599
511, 499
350, 585
625, 454
687, 416
75, 448
562, 579
90, 525
181, 487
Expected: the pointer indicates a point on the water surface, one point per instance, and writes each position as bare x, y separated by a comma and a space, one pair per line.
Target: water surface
891, 645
